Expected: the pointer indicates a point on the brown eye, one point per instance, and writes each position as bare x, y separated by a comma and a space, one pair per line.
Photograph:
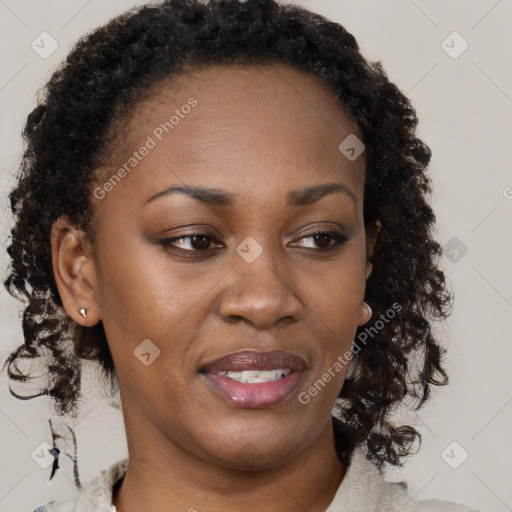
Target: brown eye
324, 240
189, 243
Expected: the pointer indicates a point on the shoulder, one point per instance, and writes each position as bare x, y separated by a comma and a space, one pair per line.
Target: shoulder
364, 488
93, 497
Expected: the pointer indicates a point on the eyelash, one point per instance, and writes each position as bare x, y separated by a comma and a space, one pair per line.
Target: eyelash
338, 238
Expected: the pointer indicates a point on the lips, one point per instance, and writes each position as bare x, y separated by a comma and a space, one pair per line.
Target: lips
254, 380
248, 360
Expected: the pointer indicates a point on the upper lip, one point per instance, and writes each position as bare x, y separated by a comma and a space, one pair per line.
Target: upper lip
247, 360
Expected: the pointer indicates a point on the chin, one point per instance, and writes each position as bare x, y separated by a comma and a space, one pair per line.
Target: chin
252, 452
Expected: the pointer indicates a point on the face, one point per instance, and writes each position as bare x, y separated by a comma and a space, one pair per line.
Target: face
258, 263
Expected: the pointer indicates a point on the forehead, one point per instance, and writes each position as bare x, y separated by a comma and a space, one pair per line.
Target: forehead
258, 125
269, 95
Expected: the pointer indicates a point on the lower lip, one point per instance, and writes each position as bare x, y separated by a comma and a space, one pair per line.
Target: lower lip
254, 396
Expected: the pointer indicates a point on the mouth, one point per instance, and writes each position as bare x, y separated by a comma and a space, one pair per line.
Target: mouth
254, 380
255, 376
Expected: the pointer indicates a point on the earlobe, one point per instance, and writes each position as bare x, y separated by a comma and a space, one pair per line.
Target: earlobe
74, 272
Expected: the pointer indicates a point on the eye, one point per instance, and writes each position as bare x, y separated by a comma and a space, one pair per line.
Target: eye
326, 240
193, 242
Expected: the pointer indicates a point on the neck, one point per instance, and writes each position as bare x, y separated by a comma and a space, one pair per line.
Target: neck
162, 477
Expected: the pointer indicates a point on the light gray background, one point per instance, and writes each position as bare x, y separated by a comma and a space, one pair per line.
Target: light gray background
464, 105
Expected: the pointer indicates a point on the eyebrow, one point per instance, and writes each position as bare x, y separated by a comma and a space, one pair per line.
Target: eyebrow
215, 197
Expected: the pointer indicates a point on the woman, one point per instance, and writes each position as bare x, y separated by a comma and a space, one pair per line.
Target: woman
225, 205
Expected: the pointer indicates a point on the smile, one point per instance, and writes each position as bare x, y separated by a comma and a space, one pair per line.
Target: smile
256, 376
252, 379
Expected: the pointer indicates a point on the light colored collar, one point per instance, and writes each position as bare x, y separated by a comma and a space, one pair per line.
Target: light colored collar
362, 489
362, 480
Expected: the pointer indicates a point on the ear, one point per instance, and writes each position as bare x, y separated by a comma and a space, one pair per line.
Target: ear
372, 233
74, 271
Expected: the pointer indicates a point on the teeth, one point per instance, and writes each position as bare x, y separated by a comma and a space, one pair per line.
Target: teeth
256, 376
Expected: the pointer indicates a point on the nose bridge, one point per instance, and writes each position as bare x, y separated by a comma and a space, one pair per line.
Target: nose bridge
259, 291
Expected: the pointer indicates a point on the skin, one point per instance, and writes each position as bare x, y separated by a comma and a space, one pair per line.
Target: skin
256, 133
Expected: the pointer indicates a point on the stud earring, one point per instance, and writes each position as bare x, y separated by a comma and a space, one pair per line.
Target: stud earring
83, 312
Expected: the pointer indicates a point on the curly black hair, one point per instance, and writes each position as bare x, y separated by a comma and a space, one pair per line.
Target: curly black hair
108, 72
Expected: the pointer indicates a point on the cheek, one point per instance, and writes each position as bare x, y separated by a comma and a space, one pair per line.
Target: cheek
335, 291
140, 288
335, 298
143, 295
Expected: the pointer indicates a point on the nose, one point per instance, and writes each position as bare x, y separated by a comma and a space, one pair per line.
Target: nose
258, 294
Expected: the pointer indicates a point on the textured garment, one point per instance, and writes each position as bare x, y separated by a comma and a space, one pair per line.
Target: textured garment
362, 490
